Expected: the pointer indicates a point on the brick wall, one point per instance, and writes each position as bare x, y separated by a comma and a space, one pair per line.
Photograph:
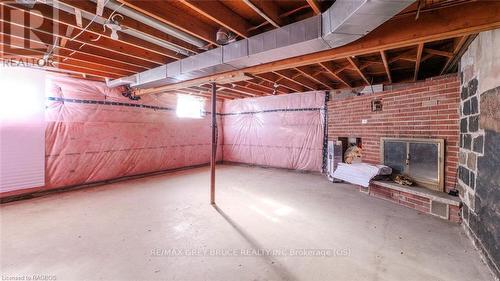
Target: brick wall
426, 109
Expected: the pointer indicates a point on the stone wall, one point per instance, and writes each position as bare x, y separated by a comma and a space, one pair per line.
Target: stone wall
479, 155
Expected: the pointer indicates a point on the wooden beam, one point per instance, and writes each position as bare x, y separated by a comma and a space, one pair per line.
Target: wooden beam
94, 32
244, 88
329, 68
266, 86
276, 78
174, 16
386, 66
318, 80
73, 49
438, 52
295, 78
420, 48
221, 14
267, 10
64, 66
89, 6
238, 90
129, 46
398, 32
92, 65
314, 6
353, 63
458, 43
407, 55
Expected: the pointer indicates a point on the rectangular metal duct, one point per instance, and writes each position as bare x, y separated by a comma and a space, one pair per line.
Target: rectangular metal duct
345, 22
348, 20
154, 77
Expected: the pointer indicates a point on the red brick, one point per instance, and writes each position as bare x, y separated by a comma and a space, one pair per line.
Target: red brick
403, 115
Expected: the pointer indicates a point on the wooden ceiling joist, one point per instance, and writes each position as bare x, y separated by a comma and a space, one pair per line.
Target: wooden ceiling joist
130, 23
398, 32
277, 79
330, 69
420, 49
314, 6
353, 62
94, 34
307, 73
173, 16
297, 77
386, 66
72, 49
438, 52
458, 44
222, 15
267, 10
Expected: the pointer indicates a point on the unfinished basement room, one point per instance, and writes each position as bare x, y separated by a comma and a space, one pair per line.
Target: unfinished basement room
224, 140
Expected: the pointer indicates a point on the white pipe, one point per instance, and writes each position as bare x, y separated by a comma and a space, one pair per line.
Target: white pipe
129, 31
156, 24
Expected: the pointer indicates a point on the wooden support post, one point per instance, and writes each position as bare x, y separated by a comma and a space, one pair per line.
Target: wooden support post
214, 144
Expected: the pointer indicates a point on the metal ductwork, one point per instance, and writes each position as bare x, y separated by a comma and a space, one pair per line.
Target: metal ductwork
344, 22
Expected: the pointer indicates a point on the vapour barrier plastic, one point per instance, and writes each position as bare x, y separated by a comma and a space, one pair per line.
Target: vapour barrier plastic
283, 131
94, 133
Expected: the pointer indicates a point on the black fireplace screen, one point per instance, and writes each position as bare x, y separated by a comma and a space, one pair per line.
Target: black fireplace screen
420, 159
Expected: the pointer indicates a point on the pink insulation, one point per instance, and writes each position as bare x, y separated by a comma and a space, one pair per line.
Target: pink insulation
285, 131
94, 133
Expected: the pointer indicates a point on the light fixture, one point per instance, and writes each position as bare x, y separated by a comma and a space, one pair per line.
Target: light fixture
224, 36
114, 25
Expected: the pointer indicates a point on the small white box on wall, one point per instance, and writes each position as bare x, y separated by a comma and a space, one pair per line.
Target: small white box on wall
334, 157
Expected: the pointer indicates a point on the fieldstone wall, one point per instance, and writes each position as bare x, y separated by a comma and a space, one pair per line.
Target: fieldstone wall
479, 154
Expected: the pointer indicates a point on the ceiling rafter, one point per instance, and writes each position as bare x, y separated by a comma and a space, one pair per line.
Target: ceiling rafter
248, 87
269, 86
288, 75
89, 6
315, 79
438, 52
93, 65
267, 10
276, 78
73, 49
458, 44
386, 66
171, 15
94, 31
361, 74
85, 41
222, 15
420, 49
330, 69
314, 6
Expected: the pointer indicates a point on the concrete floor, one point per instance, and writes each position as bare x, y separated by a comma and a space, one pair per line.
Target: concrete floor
124, 231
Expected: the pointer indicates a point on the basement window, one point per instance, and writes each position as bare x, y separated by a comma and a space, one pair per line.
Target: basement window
189, 106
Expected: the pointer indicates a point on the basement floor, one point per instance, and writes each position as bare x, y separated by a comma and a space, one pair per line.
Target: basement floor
163, 228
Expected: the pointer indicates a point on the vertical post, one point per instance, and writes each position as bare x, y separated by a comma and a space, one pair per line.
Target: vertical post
214, 144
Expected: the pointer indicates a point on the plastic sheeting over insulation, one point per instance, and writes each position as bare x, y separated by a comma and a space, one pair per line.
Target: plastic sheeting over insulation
94, 133
285, 131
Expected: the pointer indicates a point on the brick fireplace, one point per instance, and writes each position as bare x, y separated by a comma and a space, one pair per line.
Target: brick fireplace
426, 109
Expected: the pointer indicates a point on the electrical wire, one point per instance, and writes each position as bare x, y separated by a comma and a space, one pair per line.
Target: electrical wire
54, 46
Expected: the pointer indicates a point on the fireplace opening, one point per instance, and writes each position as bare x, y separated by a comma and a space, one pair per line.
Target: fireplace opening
420, 159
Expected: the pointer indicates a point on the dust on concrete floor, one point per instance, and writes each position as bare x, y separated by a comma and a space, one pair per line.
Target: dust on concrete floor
163, 228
